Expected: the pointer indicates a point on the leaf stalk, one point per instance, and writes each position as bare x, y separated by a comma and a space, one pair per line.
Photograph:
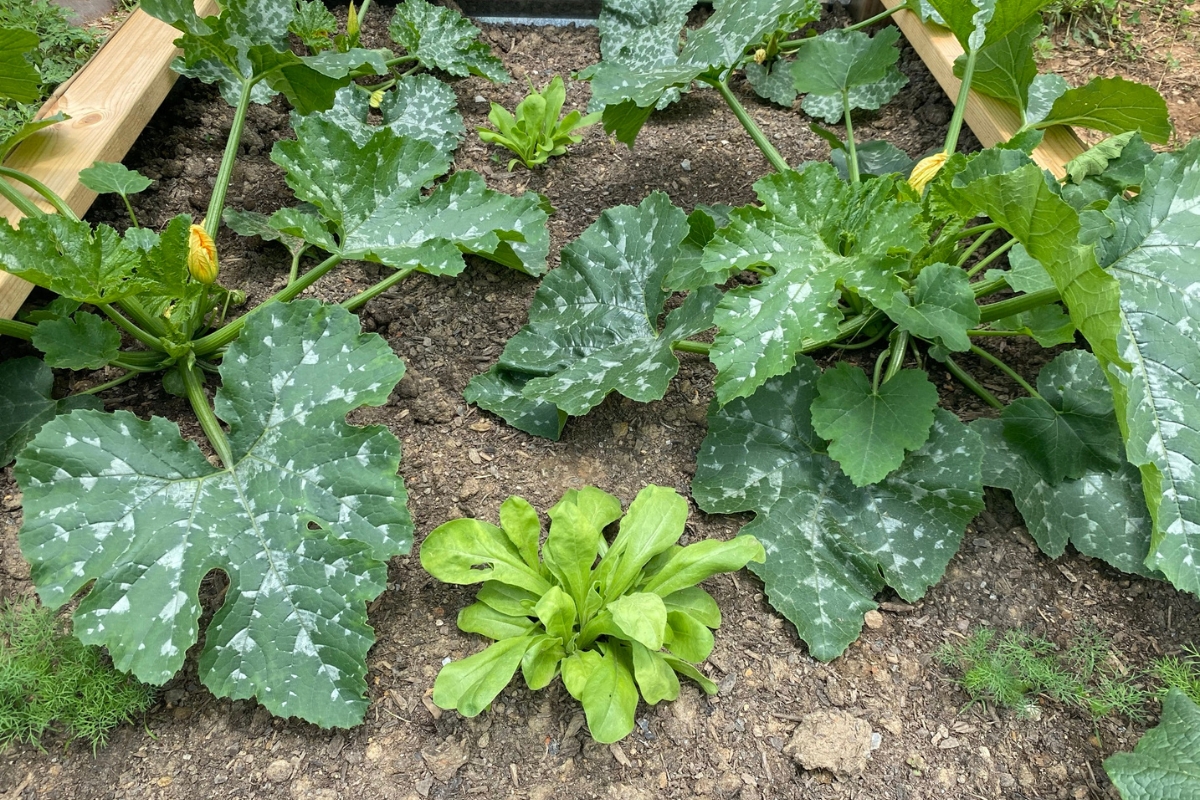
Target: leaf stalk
216, 203
960, 105
1006, 369
772, 155
964, 377
208, 420
42, 189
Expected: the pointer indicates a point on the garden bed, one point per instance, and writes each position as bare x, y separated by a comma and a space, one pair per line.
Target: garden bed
459, 461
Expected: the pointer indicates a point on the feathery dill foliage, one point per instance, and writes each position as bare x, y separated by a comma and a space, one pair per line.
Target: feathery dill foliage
1014, 669
62, 50
47, 676
1179, 673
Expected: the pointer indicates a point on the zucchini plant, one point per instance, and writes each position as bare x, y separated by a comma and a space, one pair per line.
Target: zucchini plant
857, 479
629, 622
300, 510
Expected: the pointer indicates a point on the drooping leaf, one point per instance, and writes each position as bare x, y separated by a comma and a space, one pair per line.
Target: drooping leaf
501, 392
593, 326
1072, 429
1006, 69
943, 307
83, 342
870, 430
441, 38
19, 81
130, 504
813, 231
609, 699
1152, 252
1049, 325
106, 177
1113, 105
1048, 227
252, 223
470, 685
1103, 514
69, 258
849, 62
1164, 764
26, 403
831, 546
1110, 168
628, 90
368, 181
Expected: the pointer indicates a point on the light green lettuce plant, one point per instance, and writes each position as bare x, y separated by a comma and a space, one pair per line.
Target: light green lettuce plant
536, 133
630, 621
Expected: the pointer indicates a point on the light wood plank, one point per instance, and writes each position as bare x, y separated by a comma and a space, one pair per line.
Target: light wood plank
991, 120
109, 101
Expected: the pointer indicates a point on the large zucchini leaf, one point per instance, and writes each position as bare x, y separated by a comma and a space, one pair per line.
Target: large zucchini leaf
302, 523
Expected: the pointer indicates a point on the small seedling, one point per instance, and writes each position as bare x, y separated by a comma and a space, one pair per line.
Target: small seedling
536, 133
48, 677
629, 622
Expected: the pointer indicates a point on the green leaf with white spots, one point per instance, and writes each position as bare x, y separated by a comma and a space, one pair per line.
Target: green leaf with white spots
812, 233
441, 38
1152, 251
870, 430
772, 81
851, 63
648, 70
419, 107
83, 342
71, 258
368, 181
1103, 513
593, 326
642, 35
1071, 429
303, 521
252, 223
832, 546
1164, 765
942, 310
501, 392
247, 46
27, 403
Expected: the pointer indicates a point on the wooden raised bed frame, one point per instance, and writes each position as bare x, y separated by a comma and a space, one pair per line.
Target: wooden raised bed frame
113, 97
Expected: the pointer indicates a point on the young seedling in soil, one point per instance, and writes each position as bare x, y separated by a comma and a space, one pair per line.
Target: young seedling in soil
629, 622
299, 509
858, 480
536, 134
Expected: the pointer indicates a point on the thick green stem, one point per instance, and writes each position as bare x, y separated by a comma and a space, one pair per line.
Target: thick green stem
214, 341
364, 297
17, 330
138, 313
688, 346
1017, 305
963, 377
216, 203
208, 420
985, 288
851, 149
141, 360
960, 105
983, 333
899, 350
110, 384
987, 260
45, 191
975, 245
148, 339
1006, 369
395, 62
877, 374
777, 161
967, 233
22, 203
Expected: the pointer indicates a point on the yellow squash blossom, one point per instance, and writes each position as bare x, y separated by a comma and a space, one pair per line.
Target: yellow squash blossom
202, 256
925, 170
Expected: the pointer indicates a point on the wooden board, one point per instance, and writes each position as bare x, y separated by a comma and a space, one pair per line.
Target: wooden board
991, 120
109, 101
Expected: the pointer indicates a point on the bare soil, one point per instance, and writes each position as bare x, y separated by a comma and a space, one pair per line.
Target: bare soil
459, 461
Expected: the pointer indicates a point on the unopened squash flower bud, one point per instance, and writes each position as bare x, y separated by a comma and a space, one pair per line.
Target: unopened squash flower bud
926, 169
202, 256
760, 55
352, 22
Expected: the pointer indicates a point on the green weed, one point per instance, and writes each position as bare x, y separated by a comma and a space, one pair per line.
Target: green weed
47, 676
